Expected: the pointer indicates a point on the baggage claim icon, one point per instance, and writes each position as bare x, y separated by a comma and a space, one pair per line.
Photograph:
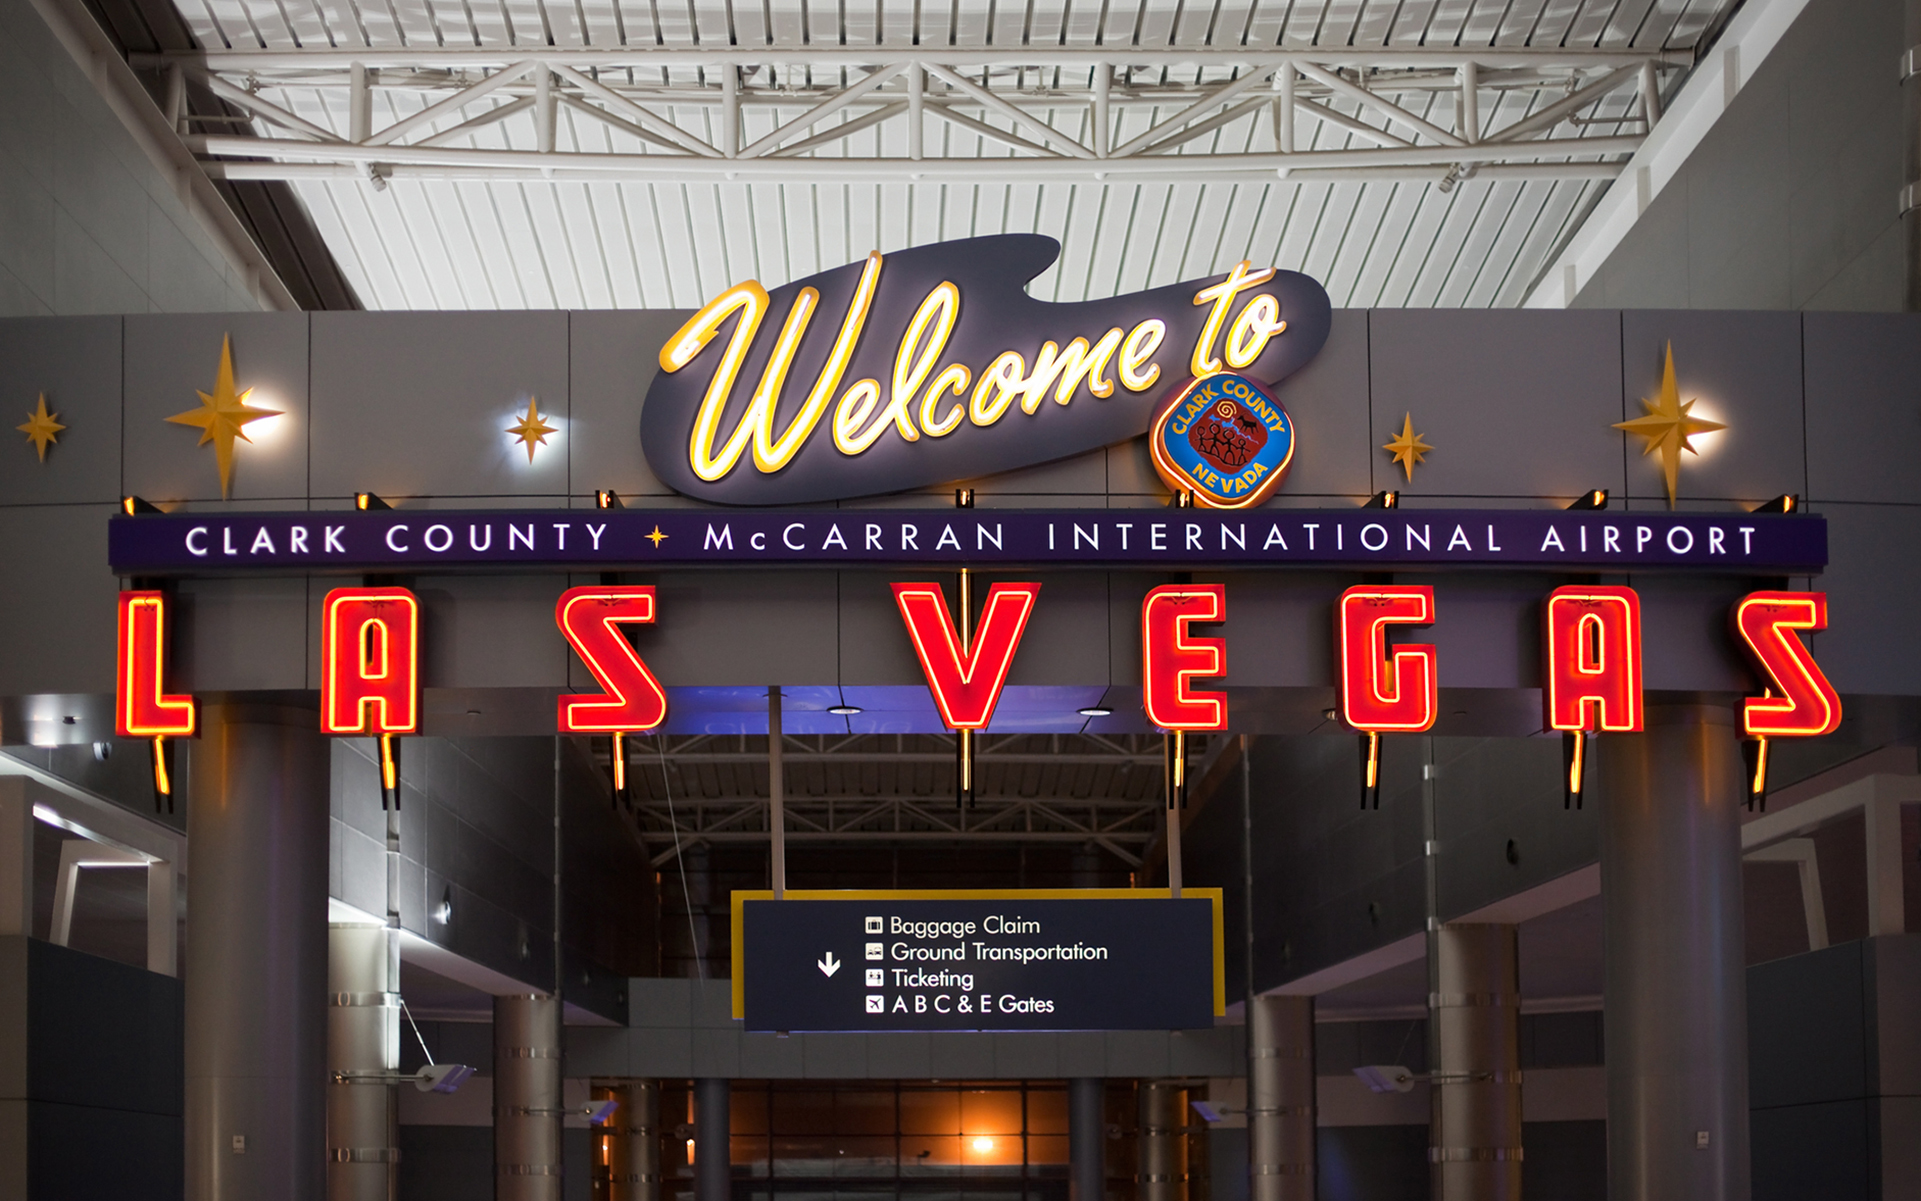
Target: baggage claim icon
1223, 439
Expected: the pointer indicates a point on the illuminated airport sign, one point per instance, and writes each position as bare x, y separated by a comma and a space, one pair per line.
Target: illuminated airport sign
1119, 959
934, 364
611, 539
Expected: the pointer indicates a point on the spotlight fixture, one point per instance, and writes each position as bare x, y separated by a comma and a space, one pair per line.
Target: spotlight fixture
133, 506
843, 710
963, 498
1589, 501
1383, 500
1788, 503
367, 502
607, 498
1096, 711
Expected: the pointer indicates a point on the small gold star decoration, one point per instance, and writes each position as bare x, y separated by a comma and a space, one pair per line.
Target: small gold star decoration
1667, 426
656, 537
531, 430
222, 415
42, 428
1407, 447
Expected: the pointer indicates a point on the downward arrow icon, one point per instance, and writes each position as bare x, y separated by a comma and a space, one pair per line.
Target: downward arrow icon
828, 965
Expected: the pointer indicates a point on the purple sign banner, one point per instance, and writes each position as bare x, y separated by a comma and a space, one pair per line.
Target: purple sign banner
427, 540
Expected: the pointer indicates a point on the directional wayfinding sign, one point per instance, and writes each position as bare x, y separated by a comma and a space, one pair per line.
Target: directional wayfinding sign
1052, 959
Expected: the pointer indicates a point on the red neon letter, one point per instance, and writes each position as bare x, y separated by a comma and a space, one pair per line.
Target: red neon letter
1171, 659
370, 661
966, 683
1800, 702
1591, 655
632, 698
1378, 693
145, 711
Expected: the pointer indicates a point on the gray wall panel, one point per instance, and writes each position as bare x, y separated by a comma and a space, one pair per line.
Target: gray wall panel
1279, 628
238, 633
874, 647
1786, 202
1872, 644
1328, 401
491, 632
1743, 369
717, 628
417, 404
1487, 628
1061, 645
170, 360
1863, 380
62, 611
75, 364
1685, 642
613, 358
1516, 402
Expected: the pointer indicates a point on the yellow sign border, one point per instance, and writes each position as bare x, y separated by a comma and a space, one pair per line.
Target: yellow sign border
978, 894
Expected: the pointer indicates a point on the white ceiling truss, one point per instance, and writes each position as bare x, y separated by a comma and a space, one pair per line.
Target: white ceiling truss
520, 153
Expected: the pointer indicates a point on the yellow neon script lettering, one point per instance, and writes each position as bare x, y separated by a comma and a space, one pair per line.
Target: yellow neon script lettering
1259, 321
1138, 351
954, 379
1003, 379
750, 301
1221, 296
756, 426
913, 360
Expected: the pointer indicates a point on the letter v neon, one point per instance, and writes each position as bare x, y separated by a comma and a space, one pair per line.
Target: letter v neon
966, 682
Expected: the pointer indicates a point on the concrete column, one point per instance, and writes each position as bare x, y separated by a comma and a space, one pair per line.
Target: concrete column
363, 1044
633, 1166
1475, 1150
1911, 104
1280, 1099
256, 963
1676, 986
713, 1157
16, 857
1163, 1149
1087, 1138
527, 1098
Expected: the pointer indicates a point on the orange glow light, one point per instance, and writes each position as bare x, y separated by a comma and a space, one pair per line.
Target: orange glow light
145, 710
1171, 659
983, 1144
1591, 657
631, 698
1800, 703
966, 683
370, 661
1380, 692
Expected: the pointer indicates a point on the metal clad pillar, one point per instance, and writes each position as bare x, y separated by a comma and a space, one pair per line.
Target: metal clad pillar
634, 1165
256, 963
713, 1163
1476, 1141
1676, 985
1087, 1138
363, 1044
1163, 1149
527, 1099
1911, 183
1280, 1099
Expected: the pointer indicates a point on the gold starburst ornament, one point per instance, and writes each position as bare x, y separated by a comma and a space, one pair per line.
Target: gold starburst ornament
1668, 426
223, 415
42, 428
1407, 447
532, 430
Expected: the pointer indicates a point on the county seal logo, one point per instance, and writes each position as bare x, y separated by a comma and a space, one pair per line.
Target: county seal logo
1224, 439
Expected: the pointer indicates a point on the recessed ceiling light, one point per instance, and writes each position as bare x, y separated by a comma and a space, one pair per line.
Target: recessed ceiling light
1097, 711
843, 710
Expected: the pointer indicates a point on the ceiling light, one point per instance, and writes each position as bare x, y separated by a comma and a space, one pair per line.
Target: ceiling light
1096, 711
843, 710
983, 1144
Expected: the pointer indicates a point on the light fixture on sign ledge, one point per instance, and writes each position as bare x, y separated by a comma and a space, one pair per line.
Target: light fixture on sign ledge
1592, 500
1383, 500
367, 502
607, 498
1788, 503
